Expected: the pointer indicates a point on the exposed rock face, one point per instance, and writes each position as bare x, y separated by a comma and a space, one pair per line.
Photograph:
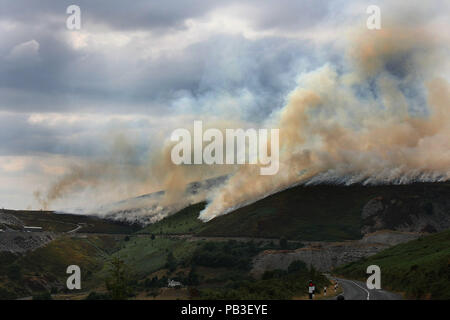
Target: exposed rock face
389, 238
9, 220
18, 242
415, 213
324, 256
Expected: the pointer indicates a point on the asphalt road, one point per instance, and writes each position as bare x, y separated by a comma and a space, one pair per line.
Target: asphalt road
357, 290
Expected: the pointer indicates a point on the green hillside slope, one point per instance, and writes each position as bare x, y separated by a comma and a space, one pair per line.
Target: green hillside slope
316, 213
420, 268
45, 268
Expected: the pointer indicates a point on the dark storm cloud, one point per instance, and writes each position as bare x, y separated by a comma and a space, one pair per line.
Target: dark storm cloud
117, 14
40, 71
60, 78
288, 14
154, 14
63, 79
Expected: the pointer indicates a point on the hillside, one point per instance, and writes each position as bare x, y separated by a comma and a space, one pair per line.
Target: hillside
62, 222
44, 269
183, 222
324, 213
419, 268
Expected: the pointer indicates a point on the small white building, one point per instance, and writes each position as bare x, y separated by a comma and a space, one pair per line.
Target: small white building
32, 229
173, 284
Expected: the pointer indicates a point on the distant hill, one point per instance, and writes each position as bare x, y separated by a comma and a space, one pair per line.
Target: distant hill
311, 213
148, 208
419, 268
63, 222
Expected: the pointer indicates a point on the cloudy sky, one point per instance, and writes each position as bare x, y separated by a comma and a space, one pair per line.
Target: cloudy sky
137, 70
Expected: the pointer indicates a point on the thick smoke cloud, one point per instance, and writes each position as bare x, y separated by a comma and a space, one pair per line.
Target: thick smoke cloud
384, 119
361, 125
87, 114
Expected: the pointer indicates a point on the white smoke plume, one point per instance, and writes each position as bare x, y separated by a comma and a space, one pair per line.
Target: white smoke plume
384, 120
381, 115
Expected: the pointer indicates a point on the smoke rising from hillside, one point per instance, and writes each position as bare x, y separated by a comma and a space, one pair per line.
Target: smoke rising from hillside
385, 120
383, 117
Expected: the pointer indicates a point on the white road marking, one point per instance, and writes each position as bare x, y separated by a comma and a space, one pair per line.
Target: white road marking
368, 293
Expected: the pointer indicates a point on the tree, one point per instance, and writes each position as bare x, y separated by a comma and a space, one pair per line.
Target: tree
14, 272
283, 243
153, 238
193, 277
171, 262
118, 282
297, 265
43, 296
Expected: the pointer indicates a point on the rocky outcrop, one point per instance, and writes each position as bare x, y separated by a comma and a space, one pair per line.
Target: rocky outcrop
389, 238
324, 256
18, 242
10, 221
408, 213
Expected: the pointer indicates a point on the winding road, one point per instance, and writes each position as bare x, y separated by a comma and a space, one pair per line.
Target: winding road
357, 290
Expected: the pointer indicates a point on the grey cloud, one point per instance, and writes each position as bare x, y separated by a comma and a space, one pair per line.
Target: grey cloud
64, 79
119, 14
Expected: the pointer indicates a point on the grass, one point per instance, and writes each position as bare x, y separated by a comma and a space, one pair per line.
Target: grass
419, 268
45, 268
310, 213
145, 256
313, 213
183, 222
279, 285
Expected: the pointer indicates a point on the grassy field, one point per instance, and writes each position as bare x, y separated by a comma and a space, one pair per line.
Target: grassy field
420, 268
145, 256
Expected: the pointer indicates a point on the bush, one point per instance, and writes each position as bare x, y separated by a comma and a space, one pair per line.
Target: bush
297, 265
14, 272
273, 274
171, 263
118, 283
98, 296
283, 243
231, 254
6, 294
43, 296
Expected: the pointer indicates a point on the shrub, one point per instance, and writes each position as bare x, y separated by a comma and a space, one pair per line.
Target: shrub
297, 265
42, 296
98, 296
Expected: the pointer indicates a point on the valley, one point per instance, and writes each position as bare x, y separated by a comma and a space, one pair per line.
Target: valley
266, 250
